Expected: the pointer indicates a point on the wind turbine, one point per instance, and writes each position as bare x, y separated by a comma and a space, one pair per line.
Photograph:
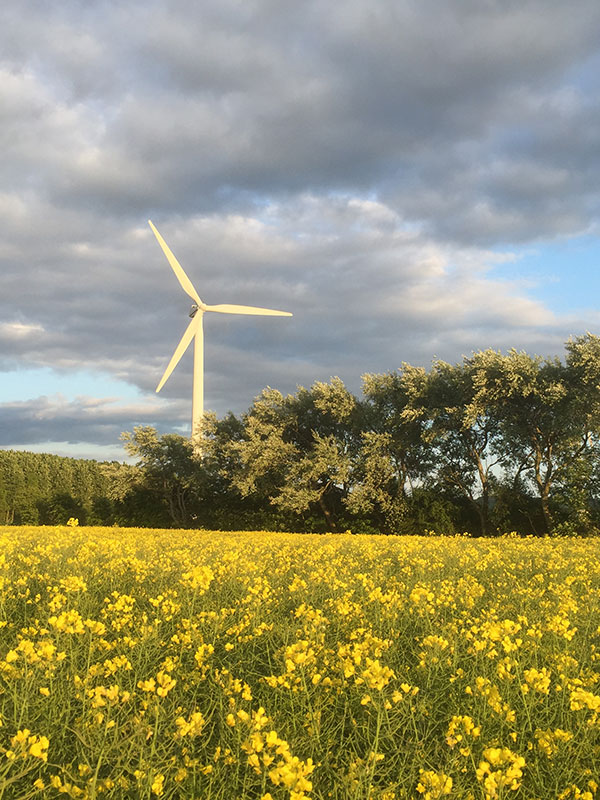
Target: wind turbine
194, 331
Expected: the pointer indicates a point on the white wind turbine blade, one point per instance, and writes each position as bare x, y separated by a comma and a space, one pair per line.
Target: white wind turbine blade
183, 345
225, 308
183, 279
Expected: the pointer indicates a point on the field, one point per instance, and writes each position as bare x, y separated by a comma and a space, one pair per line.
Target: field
178, 664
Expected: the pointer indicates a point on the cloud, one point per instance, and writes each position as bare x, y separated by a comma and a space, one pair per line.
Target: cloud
186, 108
85, 419
362, 168
366, 289
17, 331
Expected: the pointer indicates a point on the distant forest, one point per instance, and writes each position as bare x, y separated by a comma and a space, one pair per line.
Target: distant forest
493, 444
38, 488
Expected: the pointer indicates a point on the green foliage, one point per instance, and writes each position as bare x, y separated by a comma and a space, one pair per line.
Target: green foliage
496, 442
547, 413
43, 489
394, 455
296, 451
166, 468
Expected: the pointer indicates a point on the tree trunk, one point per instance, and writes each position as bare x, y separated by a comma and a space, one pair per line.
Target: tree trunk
484, 506
328, 515
480, 508
546, 510
177, 507
544, 483
485, 511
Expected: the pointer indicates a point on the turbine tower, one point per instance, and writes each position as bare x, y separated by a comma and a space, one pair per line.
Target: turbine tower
194, 331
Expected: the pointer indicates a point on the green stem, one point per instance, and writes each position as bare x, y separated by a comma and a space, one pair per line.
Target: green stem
376, 745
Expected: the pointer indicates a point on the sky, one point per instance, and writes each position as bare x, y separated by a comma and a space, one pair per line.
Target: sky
412, 180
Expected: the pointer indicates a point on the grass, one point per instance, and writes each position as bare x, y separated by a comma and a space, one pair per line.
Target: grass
234, 666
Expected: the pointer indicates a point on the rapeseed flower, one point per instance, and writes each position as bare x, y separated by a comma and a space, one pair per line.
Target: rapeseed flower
433, 785
168, 640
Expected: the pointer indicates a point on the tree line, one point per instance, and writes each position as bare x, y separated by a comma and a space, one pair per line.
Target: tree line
44, 489
494, 443
497, 442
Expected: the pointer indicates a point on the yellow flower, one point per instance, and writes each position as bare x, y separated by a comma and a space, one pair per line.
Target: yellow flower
38, 748
93, 626
548, 740
68, 622
202, 652
198, 579
376, 676
508, 769
433, 785
147, 686
73, 583
259, 719
539, 680
459, 727
192, 726
165, 683
581, 699
158, 784
25, 743
420, 594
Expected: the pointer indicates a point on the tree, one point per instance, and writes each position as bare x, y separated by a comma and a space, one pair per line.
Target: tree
296, 450
581, 481
34, 487
465, 434
393, 455
62, 506
544, 420
166, 468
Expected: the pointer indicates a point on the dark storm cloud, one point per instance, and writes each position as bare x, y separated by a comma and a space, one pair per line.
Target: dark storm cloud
354, 164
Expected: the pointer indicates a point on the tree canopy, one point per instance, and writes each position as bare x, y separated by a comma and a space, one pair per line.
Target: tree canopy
497, 442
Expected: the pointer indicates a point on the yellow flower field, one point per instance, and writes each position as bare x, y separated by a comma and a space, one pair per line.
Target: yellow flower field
243, 666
